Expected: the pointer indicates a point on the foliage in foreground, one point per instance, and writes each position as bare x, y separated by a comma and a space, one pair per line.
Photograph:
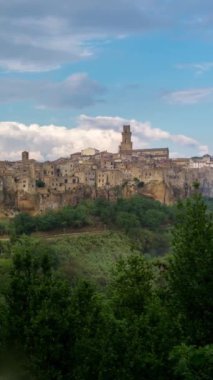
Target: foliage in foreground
144, 325
191, 271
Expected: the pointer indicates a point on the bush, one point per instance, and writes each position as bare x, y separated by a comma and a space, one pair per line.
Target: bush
40, 183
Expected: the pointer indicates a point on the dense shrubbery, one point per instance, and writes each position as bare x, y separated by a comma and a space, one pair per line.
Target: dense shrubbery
125, 214
135, 212
4, 227
153, 321
75, 217
146, 221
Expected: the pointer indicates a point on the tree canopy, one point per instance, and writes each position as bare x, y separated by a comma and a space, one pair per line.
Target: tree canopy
152, 319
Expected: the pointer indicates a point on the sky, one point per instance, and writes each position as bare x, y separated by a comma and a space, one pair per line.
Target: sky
73, 72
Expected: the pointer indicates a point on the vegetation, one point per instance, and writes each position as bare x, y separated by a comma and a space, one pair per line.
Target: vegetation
4, 227
91, 257
124, 214
40, 183
209, 204
146, 222
150, 319
191, 272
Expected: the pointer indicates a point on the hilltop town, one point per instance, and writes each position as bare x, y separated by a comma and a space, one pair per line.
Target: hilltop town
36, 186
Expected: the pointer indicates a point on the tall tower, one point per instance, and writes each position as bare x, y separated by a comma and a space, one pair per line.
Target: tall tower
25, 156
126, 143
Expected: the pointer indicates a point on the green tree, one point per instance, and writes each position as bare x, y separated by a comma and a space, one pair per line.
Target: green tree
88, 326
40, 183
142, 325
132, 285
127, 221
155, 218
23, 223
3, 326
192, 363
38, 304
191, 271
2, 229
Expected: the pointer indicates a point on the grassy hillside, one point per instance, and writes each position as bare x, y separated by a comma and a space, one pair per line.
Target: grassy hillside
92, 256
134, 225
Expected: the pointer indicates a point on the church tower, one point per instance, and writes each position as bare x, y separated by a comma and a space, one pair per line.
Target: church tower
126, 143
25, 156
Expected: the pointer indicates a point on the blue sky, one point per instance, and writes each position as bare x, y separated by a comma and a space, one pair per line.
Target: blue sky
148, 62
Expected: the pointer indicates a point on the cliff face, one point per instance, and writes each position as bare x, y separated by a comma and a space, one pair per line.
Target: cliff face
175, 183
165, 185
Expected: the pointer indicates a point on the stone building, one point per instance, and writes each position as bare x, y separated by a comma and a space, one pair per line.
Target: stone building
201, 162
44, 185
126, 143
126, 149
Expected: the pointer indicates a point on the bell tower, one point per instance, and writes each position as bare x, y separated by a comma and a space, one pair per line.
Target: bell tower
25, 156
126, 143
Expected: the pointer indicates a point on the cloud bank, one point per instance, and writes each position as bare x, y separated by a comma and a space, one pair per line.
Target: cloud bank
76, 91
39, 35
49, 142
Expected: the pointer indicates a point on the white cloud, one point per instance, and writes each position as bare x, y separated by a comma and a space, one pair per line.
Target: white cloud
198, 68
141, 130
49, 142
190, 96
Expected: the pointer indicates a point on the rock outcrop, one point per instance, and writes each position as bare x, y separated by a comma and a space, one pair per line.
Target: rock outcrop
177, 183
165, 185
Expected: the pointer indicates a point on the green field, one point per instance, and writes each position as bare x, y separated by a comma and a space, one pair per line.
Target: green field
86, 256
92, 256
